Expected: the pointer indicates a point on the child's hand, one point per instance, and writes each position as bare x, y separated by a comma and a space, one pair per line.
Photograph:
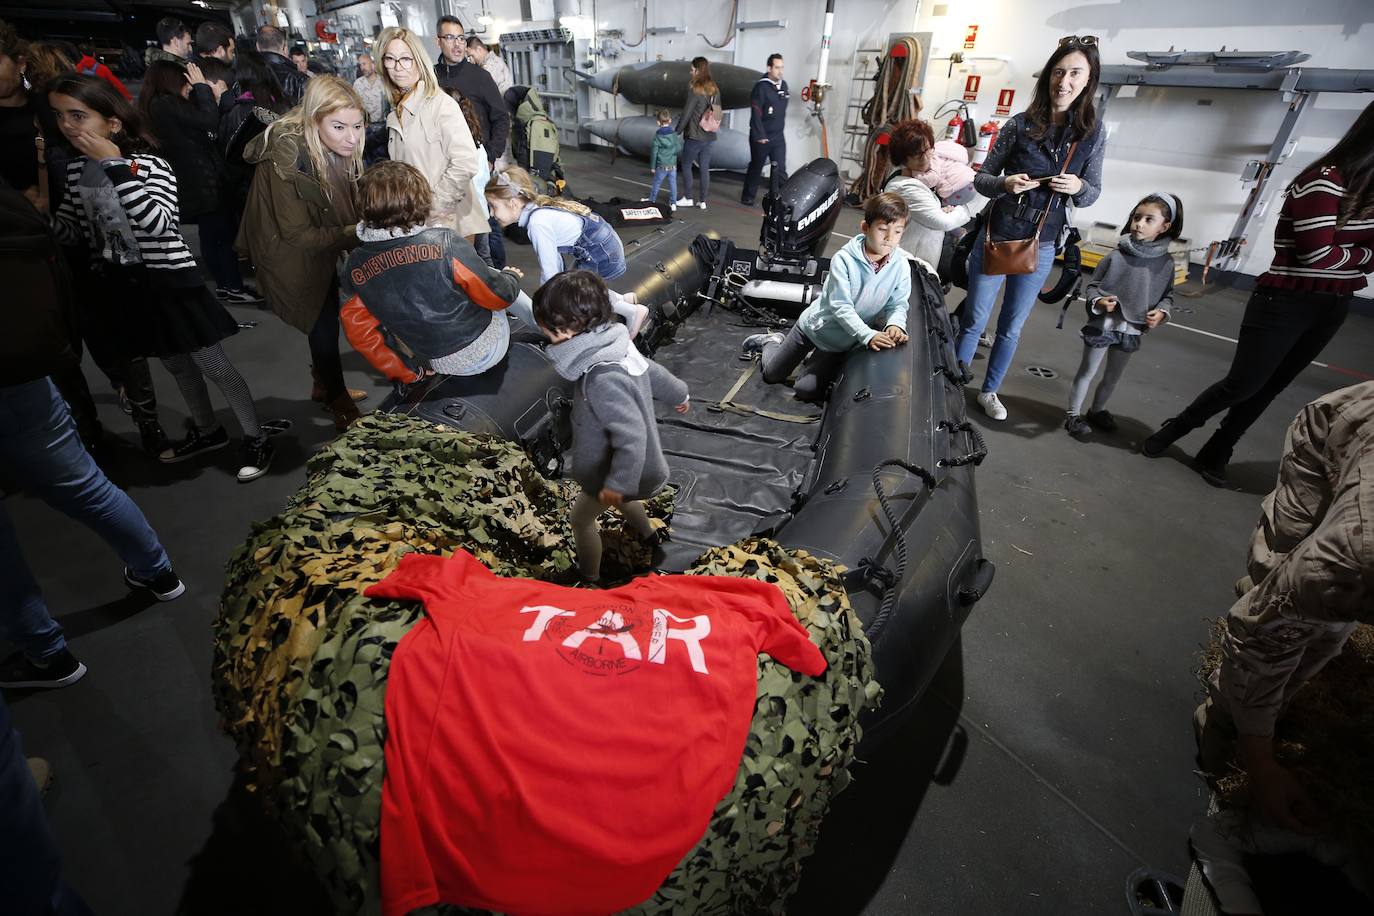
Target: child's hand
610, 497
1107, 303
95, 147
683, 407
1155, 317
881, 341
515, 272
897, 335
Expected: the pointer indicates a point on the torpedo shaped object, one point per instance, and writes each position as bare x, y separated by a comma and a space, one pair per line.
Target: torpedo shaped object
665, 82
636, 135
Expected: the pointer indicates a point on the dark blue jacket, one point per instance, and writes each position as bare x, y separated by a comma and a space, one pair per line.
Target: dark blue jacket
1013, 216
767, 110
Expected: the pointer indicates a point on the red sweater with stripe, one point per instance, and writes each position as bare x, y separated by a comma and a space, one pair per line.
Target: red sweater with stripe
1312, 253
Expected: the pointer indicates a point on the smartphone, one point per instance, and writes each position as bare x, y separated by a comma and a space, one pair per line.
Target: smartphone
1046, 180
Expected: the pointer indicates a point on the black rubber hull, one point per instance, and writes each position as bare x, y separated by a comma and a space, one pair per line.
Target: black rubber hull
902, 404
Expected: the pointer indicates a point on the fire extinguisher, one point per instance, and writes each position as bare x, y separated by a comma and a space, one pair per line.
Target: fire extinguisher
987, 136
955, 124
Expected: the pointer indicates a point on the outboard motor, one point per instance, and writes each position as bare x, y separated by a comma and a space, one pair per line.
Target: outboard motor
797, 222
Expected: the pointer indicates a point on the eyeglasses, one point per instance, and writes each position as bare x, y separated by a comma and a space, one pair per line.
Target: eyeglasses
450, 38
398, 63
1085, 40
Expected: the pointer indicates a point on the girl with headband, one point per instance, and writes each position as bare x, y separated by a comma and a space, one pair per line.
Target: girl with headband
1131, 293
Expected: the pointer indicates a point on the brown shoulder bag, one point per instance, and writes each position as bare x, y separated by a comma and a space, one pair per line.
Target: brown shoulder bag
1018, 256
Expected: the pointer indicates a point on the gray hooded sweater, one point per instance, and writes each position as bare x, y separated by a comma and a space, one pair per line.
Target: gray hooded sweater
1141, 276
615, 433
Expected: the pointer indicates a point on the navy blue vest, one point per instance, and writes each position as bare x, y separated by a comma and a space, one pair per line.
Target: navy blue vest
1013, 216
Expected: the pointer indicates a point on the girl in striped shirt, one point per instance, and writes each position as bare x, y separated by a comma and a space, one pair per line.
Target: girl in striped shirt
122, 201
1323, 251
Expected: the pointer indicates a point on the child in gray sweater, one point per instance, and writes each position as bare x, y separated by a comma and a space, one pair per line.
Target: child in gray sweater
616, 456
1131, 292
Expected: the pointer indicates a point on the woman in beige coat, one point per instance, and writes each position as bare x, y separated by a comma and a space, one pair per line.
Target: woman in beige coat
427, 130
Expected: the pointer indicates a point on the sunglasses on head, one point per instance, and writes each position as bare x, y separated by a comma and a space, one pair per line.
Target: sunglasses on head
1085, 40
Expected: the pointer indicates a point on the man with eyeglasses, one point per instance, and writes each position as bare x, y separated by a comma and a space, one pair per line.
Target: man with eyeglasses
455, 71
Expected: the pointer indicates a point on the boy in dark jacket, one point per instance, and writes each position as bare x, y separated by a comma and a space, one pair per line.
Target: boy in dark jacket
663, 159
616, 454
417, 300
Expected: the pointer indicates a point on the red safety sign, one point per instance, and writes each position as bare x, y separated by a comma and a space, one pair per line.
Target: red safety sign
1004, 102
971, 87
970, 37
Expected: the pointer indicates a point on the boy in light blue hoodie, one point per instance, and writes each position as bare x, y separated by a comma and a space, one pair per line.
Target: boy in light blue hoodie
863, 304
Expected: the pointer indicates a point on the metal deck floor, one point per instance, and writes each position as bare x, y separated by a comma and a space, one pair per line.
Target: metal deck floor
1052, 757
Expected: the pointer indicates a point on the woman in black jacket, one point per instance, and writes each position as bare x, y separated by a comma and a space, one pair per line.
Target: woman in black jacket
183, 113
257, 100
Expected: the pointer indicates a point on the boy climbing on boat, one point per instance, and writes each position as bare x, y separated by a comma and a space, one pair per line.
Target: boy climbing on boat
616, 454
863, 304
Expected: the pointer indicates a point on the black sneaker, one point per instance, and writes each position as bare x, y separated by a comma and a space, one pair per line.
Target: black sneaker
1101, 419
60, 670
237, 296
165, 586
1077, 426
755, 343
255, 457
194, 443
152, 437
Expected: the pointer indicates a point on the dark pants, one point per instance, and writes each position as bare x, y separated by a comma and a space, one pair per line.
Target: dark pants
324, 347
496, 242
30, 864
698, 152
1281, 333
818, 372
217, 231
775, 151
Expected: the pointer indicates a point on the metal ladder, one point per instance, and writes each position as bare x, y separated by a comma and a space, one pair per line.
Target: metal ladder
861, 83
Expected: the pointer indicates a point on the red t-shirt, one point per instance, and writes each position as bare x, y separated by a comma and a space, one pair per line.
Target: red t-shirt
559, 750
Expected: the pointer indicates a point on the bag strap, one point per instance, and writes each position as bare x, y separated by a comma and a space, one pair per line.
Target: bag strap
1044, 214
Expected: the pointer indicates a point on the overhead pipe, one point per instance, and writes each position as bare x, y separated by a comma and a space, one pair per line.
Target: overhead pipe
816, 91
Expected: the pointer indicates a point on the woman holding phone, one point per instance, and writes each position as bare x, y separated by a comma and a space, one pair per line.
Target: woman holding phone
1047, 160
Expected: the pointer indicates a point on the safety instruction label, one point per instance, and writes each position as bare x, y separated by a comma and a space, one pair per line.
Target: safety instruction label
971, 83
1004, 102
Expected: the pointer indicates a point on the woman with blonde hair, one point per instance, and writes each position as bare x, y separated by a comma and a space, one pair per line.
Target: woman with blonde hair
557, 226
426, 129
301, 217
703, 98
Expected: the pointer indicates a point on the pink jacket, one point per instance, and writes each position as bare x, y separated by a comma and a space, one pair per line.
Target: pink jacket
949, 169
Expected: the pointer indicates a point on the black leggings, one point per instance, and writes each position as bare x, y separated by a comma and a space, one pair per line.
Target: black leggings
1281, 333
324, 347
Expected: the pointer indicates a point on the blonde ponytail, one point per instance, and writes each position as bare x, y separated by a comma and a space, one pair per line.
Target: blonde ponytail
516, 184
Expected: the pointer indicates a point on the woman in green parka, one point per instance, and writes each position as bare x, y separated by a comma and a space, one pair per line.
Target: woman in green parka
300, 219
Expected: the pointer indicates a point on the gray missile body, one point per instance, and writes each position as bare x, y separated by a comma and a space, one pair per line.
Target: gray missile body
636, 135
664, 82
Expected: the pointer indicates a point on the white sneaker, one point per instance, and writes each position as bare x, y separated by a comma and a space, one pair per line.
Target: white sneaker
702, 205
684, 201
991, 405
672, 208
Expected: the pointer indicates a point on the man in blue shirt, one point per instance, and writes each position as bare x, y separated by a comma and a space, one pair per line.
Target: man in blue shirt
767, 116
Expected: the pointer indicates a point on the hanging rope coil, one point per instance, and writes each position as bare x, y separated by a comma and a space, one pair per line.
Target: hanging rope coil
892, 102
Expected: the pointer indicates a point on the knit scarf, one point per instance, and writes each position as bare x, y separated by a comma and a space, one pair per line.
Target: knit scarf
1156, 249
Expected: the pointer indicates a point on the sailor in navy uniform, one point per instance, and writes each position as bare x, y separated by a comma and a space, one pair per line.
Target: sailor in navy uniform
767, 116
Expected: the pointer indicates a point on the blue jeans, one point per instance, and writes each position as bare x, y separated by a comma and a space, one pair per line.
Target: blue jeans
30, 865
598, 249
670, 173
1016, 307
40, 449
699, 152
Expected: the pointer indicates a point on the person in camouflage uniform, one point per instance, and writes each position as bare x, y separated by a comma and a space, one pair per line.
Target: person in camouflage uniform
1311, 569
174, 43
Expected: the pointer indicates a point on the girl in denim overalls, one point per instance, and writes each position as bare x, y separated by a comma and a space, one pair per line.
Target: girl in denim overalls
557, 227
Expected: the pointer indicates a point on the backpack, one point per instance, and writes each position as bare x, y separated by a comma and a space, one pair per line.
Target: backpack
710, 121
534, 137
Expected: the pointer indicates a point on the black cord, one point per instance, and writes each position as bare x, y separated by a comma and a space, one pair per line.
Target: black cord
893, 580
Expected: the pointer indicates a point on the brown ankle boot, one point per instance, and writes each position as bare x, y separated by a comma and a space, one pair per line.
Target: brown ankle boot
344, 411
317, 389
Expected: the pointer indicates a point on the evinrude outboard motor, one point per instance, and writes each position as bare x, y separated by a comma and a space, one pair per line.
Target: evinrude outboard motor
797, 222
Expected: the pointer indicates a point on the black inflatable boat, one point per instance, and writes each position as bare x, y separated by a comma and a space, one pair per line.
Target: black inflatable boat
880, 478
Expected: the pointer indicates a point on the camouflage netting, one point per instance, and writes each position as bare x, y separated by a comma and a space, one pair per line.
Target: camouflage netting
1326, 737
301, 657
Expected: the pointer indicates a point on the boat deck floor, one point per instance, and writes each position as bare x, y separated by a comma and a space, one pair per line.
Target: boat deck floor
1050, 759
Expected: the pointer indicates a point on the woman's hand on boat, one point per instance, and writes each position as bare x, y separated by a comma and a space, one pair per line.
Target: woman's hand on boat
1019, 183
897, 335
610, 497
